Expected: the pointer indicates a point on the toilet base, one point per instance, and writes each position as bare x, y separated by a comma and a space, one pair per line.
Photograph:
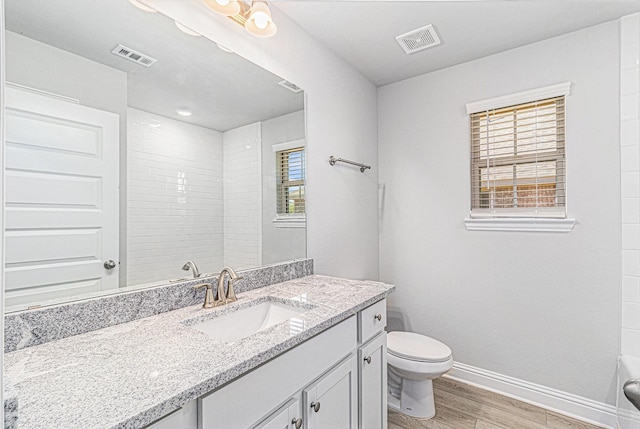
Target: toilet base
416, 399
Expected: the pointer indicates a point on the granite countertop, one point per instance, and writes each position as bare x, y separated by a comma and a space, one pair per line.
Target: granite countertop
129, 375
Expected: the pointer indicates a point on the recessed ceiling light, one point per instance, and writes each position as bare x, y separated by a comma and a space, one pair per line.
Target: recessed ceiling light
141, 6
183, 112
187, 30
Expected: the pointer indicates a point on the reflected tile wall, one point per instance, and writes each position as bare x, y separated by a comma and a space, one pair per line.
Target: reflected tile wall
630, 182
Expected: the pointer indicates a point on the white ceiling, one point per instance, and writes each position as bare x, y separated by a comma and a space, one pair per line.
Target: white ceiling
223, 90
363, 32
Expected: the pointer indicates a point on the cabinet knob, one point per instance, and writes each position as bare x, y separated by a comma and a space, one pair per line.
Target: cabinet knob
368, 359
315, 406
297, 423
378, 317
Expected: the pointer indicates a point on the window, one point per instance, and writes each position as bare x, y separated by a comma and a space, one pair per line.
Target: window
290, 173
518, 156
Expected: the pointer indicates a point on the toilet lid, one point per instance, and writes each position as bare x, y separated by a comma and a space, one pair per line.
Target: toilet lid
409, 345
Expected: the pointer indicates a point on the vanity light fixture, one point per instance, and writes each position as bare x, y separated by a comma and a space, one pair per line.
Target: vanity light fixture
259, 22
183, 112
224, 7
255, 17
141, 6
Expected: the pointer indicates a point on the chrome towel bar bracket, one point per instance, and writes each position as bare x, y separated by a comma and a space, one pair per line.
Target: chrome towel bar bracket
363, 167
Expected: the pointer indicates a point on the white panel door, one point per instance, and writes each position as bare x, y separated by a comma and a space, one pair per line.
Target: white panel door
61, 195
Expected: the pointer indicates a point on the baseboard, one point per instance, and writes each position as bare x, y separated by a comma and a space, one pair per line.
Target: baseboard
573, 406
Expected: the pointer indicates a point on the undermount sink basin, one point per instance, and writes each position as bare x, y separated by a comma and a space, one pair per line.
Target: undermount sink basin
248, 321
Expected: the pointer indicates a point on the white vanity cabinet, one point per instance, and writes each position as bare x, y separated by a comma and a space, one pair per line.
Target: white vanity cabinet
372, 366
336, 379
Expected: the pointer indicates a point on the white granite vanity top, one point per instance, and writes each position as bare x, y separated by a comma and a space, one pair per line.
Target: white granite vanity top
129, 375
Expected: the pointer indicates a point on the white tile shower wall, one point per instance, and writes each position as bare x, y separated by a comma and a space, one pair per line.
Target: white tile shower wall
630, 182
175, 197
242, 190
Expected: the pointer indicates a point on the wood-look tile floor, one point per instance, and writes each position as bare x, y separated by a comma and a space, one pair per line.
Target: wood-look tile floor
461, 406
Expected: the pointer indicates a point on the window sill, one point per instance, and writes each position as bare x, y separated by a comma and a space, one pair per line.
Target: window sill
520, 224
290, 222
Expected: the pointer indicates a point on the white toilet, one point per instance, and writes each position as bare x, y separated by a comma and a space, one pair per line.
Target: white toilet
413, 361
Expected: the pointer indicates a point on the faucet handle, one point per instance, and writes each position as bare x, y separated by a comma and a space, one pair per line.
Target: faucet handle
201, 285
209, 300
231, 294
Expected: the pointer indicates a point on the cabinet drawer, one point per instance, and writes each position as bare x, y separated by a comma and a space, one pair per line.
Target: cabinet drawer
371, 321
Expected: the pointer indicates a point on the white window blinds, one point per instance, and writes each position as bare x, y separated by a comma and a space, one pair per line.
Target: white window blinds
518, 160
291, 174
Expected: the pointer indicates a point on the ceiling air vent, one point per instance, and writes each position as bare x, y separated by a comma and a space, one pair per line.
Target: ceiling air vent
132, 55
290, 86
419, 39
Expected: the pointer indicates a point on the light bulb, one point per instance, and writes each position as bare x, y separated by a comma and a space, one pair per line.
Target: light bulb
261, 19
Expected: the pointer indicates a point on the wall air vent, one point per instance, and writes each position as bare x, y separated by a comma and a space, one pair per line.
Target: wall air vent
133, 55
419, 39
290, 86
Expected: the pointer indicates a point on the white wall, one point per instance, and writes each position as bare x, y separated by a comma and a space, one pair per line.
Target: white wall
242, 197
341, 109
175, 198
539, 307
278, 244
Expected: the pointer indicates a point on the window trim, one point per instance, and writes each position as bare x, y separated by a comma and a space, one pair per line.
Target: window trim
520, 97
294, 220
521, 222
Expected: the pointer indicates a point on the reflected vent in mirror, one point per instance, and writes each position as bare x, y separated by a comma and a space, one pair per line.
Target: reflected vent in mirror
290, 86
133, 55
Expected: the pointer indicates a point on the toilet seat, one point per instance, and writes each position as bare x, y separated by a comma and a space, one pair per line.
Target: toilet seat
417, 347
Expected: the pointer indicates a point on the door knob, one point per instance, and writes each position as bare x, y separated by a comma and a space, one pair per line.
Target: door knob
297, 423
110, 264
315, 406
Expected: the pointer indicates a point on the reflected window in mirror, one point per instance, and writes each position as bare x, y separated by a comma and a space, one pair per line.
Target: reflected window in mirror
290, 178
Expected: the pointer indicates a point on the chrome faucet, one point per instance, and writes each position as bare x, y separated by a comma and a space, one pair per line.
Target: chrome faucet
192, 265
233, 277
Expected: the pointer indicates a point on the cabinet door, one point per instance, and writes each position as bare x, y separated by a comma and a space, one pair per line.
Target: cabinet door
372, 383
332, 401
287, 417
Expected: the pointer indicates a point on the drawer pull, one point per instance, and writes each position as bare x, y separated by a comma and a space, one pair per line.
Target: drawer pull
368, 359
297, 423
378, 317
315, 406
